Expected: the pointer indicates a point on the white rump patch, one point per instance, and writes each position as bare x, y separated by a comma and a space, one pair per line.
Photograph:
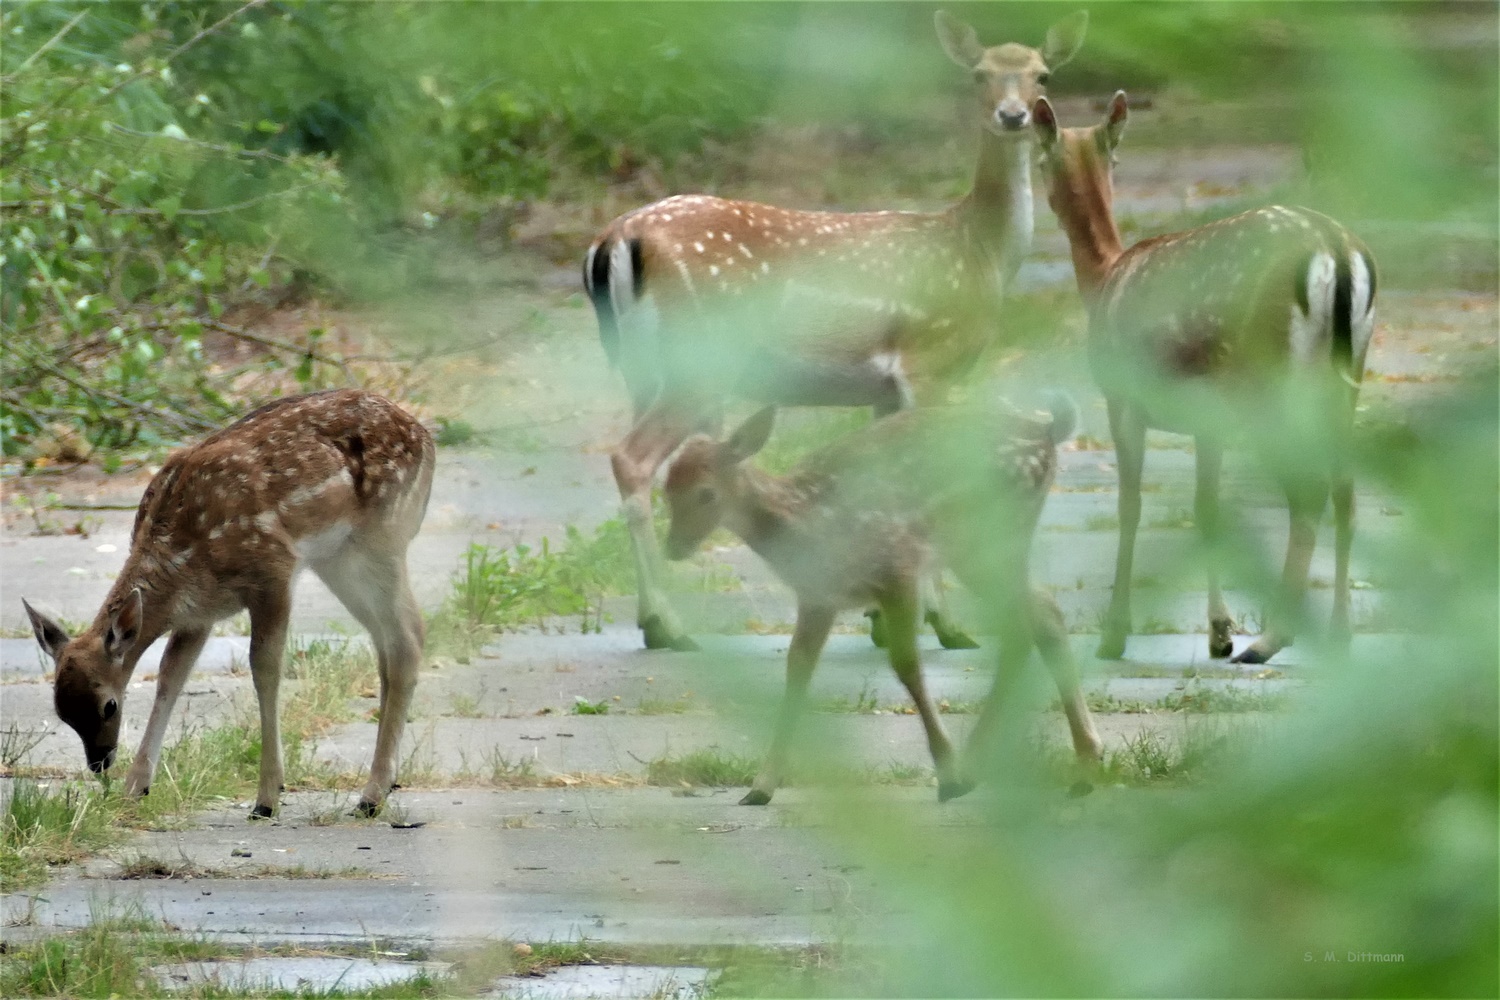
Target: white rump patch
1361, 309
1309, 333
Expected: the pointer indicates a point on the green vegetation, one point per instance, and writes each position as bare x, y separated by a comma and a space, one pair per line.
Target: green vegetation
708, 767
496, 590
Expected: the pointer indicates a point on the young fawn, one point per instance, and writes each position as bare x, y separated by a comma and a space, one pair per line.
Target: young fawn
855, 523
700, 299
333, 481
1258, 322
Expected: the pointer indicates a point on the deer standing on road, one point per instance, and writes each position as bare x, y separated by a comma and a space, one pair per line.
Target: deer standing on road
856, 523
333, 481
1260, 321
700, 298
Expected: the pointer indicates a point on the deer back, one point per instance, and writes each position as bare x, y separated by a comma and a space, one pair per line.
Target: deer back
292, 481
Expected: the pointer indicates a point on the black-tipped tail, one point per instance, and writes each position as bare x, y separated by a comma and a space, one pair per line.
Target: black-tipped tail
596, 283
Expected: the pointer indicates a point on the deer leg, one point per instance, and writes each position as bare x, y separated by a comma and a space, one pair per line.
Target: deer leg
1128, 428
1051, 637
901, 614
1305, 505
374, 587
656, 435
1015, 641
269, 616
811, 632
1206, 509
176, 664
1343, 525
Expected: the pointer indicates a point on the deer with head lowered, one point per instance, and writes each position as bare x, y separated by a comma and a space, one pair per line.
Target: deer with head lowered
700, 298
336, 482
857, 521
1259, 322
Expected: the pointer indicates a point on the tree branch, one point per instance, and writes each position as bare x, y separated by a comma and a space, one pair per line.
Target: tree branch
47, 45
111, 92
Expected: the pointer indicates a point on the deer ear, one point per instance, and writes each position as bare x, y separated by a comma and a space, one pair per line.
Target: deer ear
49, 634
125, 625
959, 40
1044, 122
1064, 39
751, 436
1115, 118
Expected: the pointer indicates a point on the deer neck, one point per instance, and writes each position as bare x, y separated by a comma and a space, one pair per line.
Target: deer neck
159, 592
998, 211
1085, 209
767, 515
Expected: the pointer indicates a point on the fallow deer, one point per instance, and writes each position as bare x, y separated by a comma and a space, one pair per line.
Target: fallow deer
856, 522
336, 482
702, 298
1258, 322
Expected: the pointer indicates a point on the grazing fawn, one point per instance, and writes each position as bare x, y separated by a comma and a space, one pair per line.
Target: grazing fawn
1260, 321
855, 523
701, 298
333, 481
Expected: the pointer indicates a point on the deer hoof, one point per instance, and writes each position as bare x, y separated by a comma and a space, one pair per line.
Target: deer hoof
877, 627
1220, 644
953, 789
261, 812
365, 809
659, 636
955, 638
1252, 654
949, 636
755, 797
1111, 647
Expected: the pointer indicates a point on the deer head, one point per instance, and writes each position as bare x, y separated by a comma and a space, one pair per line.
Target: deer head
705, 484
91, 675
1010, 77
1077, 162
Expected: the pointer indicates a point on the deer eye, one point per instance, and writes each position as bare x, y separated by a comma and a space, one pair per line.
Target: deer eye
980, 76
110, 708
707, 495
1043, 78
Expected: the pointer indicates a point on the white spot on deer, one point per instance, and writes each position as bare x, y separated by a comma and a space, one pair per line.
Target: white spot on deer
713, 269
666, 216
727, 238
698, 247
765, 268
802, 241
303, 494
687, 276
266, 520
746, 251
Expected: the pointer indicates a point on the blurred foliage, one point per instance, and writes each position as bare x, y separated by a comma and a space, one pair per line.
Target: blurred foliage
165, 162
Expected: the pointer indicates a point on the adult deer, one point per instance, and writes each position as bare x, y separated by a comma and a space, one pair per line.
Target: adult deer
1257, 321
857, 521
333, 481
700, 298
